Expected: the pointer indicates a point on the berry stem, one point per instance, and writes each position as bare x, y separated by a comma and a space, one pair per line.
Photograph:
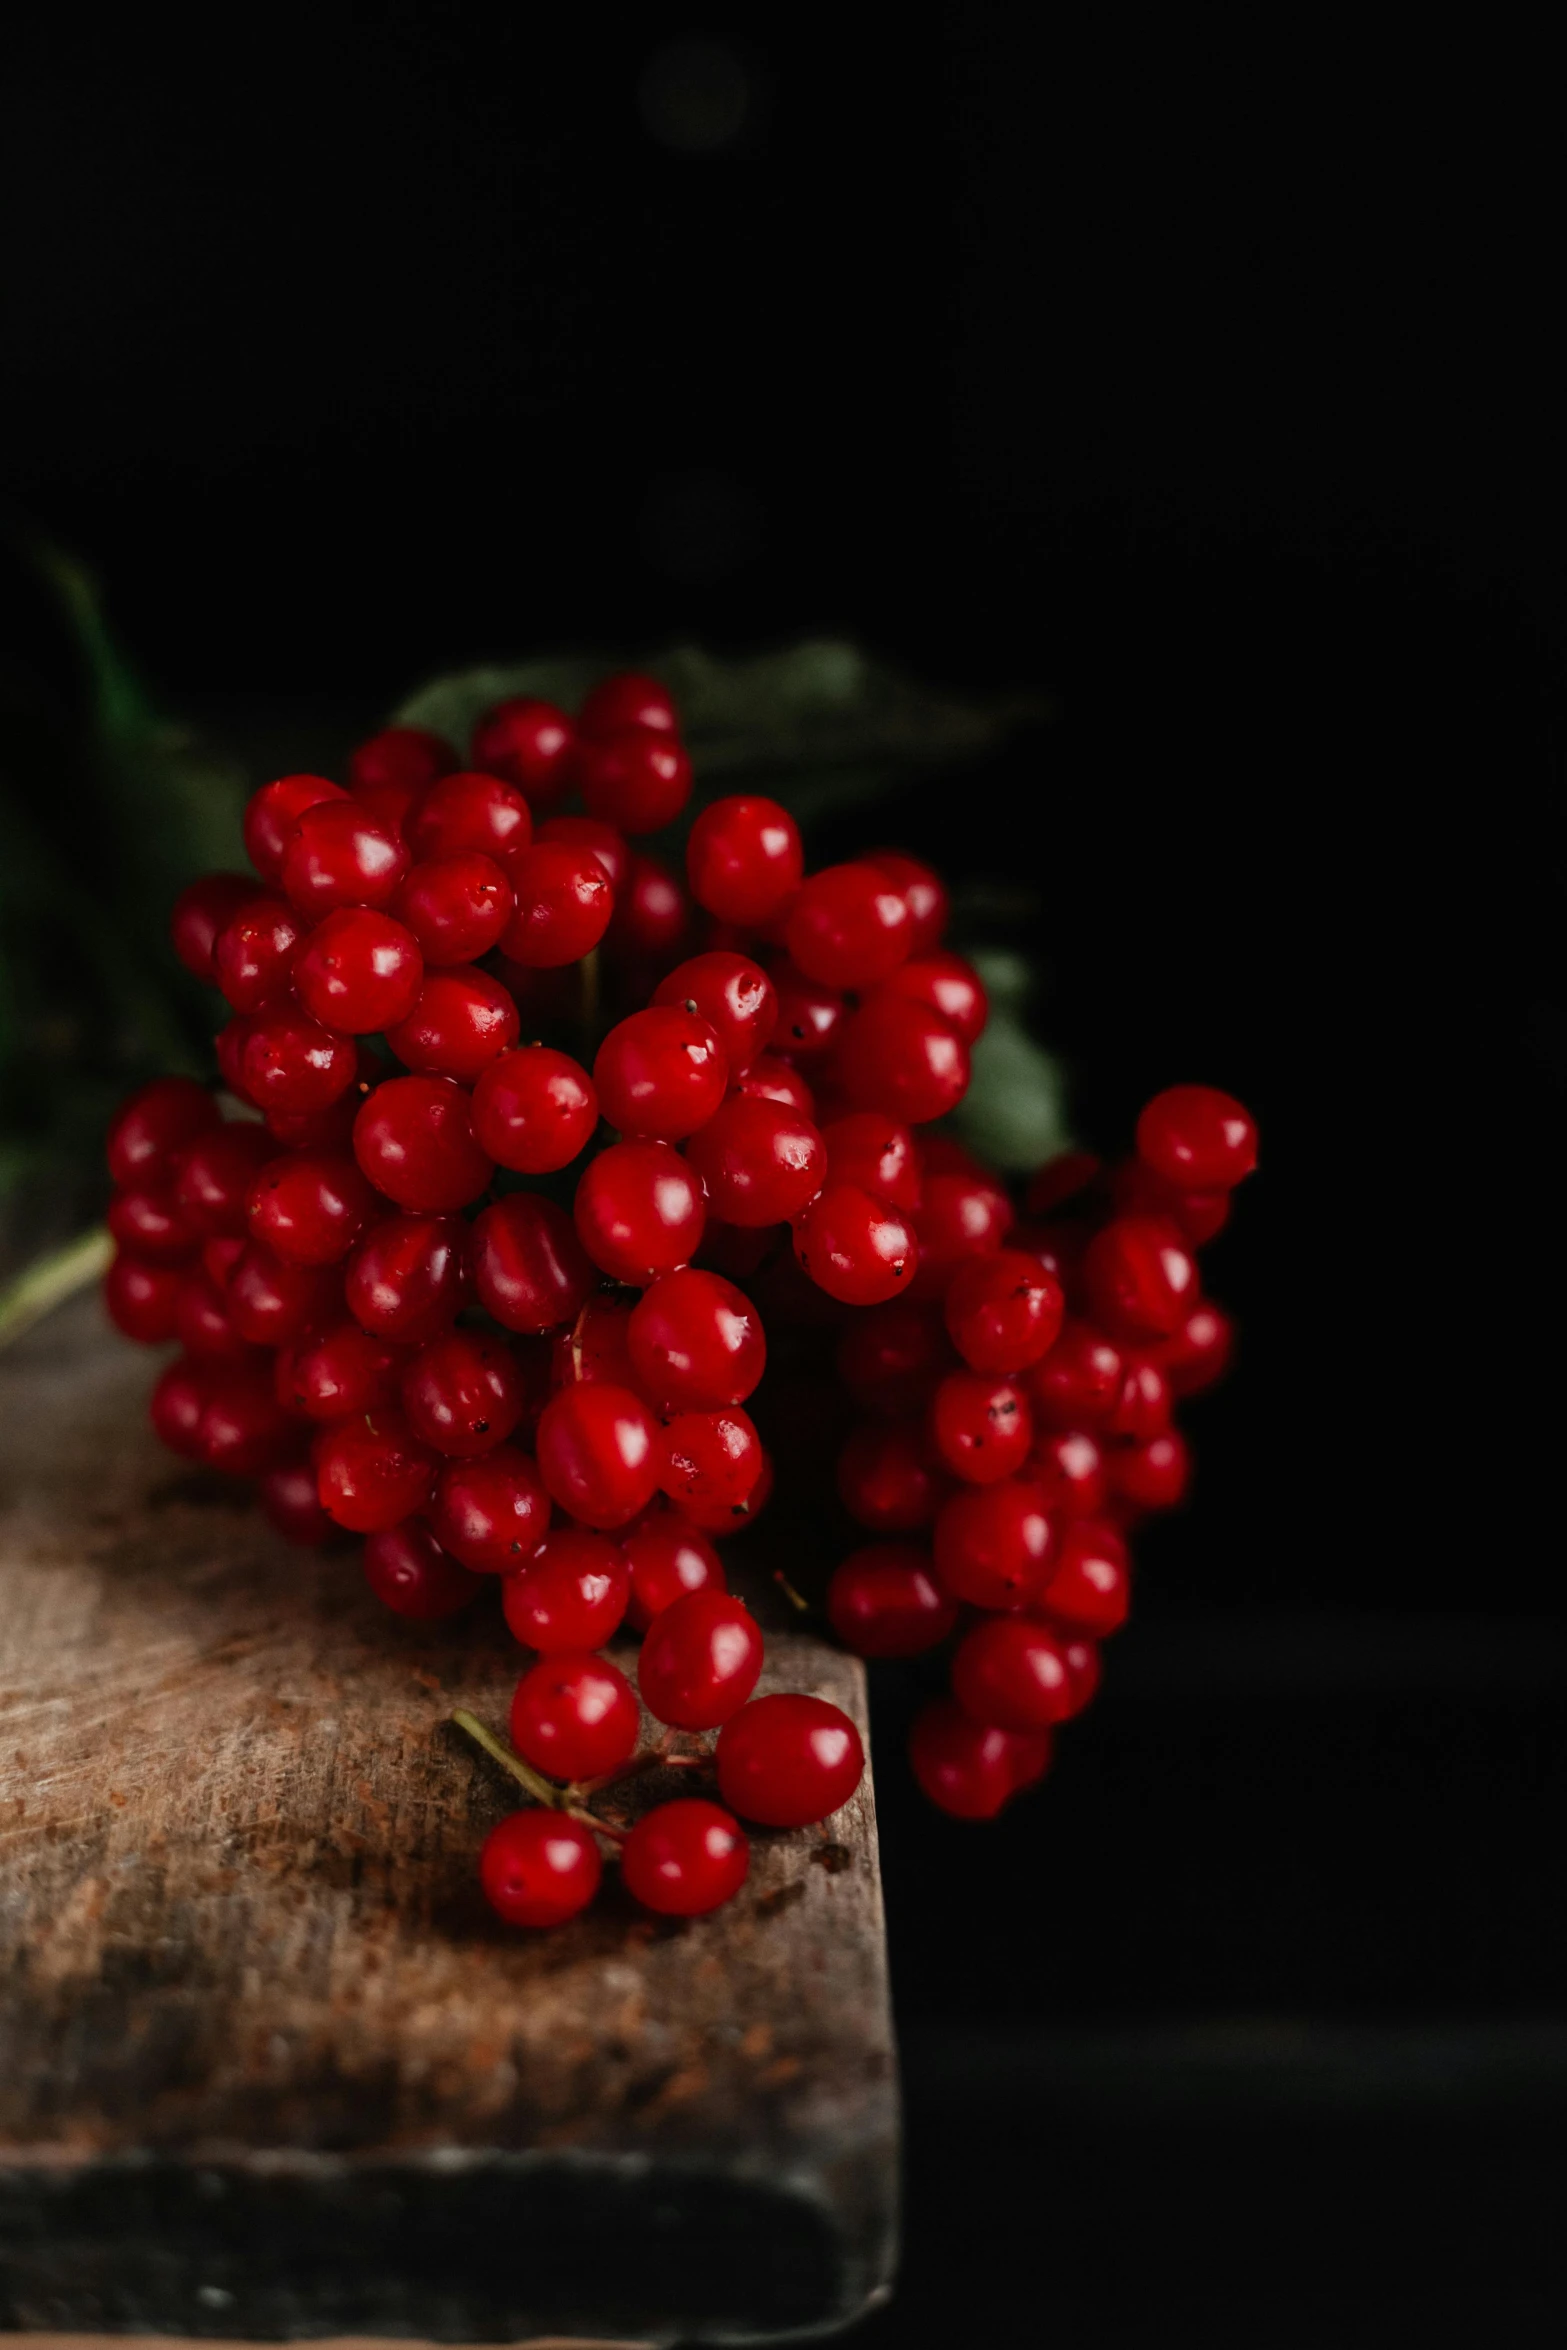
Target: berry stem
541, 1789
801, 1605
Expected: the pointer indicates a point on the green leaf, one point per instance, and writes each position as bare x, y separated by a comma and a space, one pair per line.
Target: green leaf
1014, 1113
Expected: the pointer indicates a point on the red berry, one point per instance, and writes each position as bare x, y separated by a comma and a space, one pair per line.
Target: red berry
700, 1659
1198, 1215
272, 813
733, 995
201, 911
994, 1544
639, 1211
390, 771
923, 892
331, 1129
637, 780
848, 927
877, 1154
493, 1512
611, 848
528, 1265
244, 1429
1199, 1352
708, 1464
529, 743
290, 1062
414, 1139
407, 1278
597, 1453
855, 1247
668, 1557
1079, 1382
968, 1769
696, 1342
143, 1299
213, 1175
947, 986
202, 1322
685, 1858
660, 1074
771, 1080
571, 1593
564, 903
474, 812
1003, 1312
229, 1046
455, 907
176, 1406
359, 971
810, 1013
980, 1426
1068, 1467
743, 859
899, 1057
342, 1373
1063, 1178
1010, 1673
652, 916
373, 1472
463, 1393
149, 1225
1139, 1277
271, 1303
596, 1346
1082, 1665
311, 1207
1143, 1406
462, 1021
1198, 1138
628, 699
337, 855
788, 1760
574, 1716
534, 1109
1089, 1588
539, 1868
884, 1601
961, 1216
1150, 1476
290, 1500
154, 1124
253, 955
887, 1480
759, 1162
411, 1574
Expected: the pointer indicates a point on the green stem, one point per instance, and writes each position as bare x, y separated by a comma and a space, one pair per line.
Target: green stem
48, 1282
544, 1791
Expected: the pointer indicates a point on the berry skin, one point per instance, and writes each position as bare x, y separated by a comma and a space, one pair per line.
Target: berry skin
849, 926
343, 1373
534, 1109
1069, 1469
1066, 1177
810, 1013
143, 1300
290, 1062
611, 848
1139, 1277
462, 1021
696, 1342
374, 1472
1199, 1352
743, 859
789, 1760
639, 1211
877, 1154
708, 1464
961, 1216
491, 1513
771, 1080
202, 1322
1009, 1673
539, 1868
1144, 1478
153, 1125
311, 1207
980, 1426
253, 954
229, 1046
1200, 1216
455, 907
331, 1129
213, 1175
967, 1769
1079, 1382
1082, 1664
463, 1393
994, 1544
414, 1140
652, 914
564, 904
733, 995
571, 1593
887, 1480
471, 812
176, 1406
271, 1303
528, 1265
597, 1449
1197, 1138
1089, 1588
628, 699
388, 773
855, 1247
407, 1279
668, 1557
272, 813
899, 1057
700, 1660
201, 911
635, 779
244, 1429
337, 855
1143, 1406
947, 986
359, 971
595, 1347
685, 1858
529, 744
290, 1501
411, 1574
760, 1162
1003, 1312
884, 1602
148, 1224
660, 1074
891, 1357
574, 1716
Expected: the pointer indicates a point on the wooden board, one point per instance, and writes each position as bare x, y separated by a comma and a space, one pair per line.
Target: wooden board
267, 2065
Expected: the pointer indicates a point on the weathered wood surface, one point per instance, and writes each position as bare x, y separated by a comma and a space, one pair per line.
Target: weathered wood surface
267, 2065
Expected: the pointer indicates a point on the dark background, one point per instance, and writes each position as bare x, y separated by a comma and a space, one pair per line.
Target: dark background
1201, 374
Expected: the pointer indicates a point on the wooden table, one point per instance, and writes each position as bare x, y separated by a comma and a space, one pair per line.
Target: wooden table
268, 2067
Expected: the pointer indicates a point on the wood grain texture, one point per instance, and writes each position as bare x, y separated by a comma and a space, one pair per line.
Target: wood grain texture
267, 2065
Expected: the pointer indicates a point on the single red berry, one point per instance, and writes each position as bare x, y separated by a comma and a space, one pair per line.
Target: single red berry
770, 1079
849, 926
539, 1868
968, 1769
1004, 1311
491, 1513
455, 907
744, 860
571, 1593
1083, 1669
858, 1249
947, 986
213, 1174
411, 1574
1139, 1277
629, 698
389, 773
463, 1019
373, 1472
788, 1760
597, 1346
1198, 1138
528, 1264
1010, 1673
1199, 1352
597, 1448
176, 1406
359, 971
899, 1057
414, 1139
884, 1601
635, 779
1068, 1466
811, 1014
529, 743
639, 1211
291, 1503
471, 812
685, 1858
708, 1464
534, 1109
153, 1125
290, 1062
923, 892
408, 1279
337, 855
652, 917
564, 903
574, 1716
148, 1224
668, 1558
961, 1216
696, 1342
202, 1322
611, 848
1079, 1381
980, 1426
994, 1544
201, 911
253, 955
272, 1303
660, 1074
759, 1162
877, 1154
463, 1393
244, 1429
700, 1659
311, 1207
1145, 1402
343, 1372
1151, 1476
272, 813
733, 995
1089, 1589
143, 1299
887, 1478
